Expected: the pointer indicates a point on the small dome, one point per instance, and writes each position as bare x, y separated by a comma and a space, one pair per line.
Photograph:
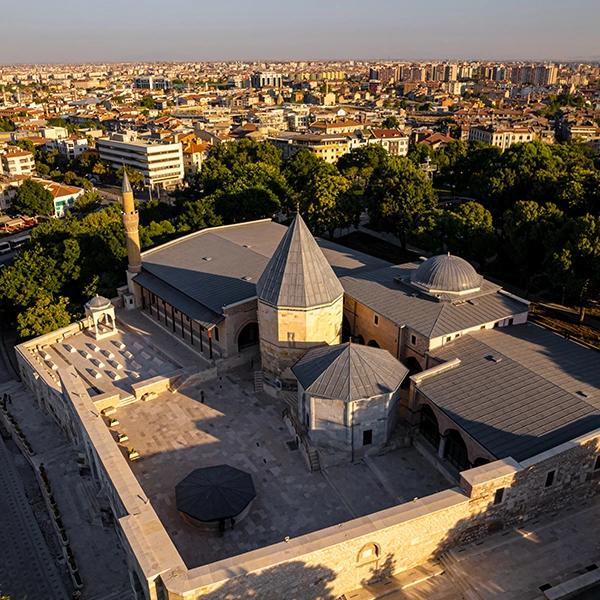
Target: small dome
446, 274
98, 303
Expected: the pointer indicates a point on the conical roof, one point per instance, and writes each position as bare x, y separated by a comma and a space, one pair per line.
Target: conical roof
349, 372
298, 274
126, 187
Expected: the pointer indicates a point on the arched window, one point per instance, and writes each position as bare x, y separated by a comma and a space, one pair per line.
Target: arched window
368, 553
248, 336
455, 451
428, 426
373, 344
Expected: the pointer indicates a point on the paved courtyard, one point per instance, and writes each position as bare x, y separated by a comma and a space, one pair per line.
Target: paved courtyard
176, 433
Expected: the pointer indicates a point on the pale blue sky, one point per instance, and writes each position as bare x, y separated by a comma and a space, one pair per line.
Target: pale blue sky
120, 30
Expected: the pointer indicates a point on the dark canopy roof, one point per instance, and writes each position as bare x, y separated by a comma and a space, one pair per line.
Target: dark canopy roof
214, 493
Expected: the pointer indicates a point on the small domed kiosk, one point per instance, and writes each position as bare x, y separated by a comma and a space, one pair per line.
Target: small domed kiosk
102, 313
215, 498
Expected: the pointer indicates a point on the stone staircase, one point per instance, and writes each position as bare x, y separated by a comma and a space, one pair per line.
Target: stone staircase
313, 459
259, 381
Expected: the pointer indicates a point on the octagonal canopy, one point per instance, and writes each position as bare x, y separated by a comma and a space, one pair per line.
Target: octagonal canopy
214, 493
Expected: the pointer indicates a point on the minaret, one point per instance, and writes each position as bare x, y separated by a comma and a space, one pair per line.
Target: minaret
132, 234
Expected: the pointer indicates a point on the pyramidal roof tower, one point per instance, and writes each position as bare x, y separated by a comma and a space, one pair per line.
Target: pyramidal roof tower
298, 274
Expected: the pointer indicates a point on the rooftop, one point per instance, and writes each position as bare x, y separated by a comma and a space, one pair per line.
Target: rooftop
518, 390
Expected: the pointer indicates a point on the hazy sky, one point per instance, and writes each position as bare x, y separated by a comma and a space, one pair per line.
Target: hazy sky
121, 30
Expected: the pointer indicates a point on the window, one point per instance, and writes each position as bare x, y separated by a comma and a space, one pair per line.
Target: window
413, 340
511, 321
495, 324
499, 496
449, 338
376, 319
549, 479
367, 437
216, 334
597, 463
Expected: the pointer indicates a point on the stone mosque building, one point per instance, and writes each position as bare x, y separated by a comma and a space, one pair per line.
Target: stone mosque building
362, 359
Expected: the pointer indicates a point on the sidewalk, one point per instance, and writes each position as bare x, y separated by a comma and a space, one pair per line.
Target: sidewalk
92, 534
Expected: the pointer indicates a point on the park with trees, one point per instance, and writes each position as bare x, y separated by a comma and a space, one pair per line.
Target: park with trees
529, 216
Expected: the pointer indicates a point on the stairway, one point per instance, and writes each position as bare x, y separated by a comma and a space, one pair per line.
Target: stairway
259, 381
313, 459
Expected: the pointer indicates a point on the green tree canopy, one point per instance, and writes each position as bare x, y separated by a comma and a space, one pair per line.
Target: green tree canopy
33, 199
391, 122
399, 195
45, 315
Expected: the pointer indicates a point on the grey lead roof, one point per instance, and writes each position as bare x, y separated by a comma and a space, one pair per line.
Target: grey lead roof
446, 273
518, 390
385, 291
298, 274
206, 317
349, 372
220, 266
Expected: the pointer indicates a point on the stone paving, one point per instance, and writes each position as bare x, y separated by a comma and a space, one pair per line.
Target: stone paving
27, 570
511, 565
176, 433
93, 537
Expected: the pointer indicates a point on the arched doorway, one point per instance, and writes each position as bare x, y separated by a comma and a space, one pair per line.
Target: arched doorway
480, 461
412, 364
346, 330
455, 451
359, 339
373, 344
428, 426
248, 336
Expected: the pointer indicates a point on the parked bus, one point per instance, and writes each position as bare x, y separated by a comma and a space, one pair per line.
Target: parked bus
19, 241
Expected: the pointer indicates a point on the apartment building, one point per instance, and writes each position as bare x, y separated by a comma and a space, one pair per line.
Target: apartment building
160, 163
150, 82
266, 79
501, 137
327, 146
70, 147
18, 162
393, 140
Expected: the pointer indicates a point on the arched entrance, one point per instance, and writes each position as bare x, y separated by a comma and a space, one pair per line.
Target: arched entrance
480, 461
248, 336
346, 330
455, 451
373, 344
413, 366
359, 339
428, 426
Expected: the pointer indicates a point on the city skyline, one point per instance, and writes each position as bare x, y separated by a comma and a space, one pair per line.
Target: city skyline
265, 30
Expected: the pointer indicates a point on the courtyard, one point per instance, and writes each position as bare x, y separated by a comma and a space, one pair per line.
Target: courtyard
176, 433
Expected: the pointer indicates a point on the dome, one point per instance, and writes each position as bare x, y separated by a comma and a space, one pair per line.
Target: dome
446, 274
98, 303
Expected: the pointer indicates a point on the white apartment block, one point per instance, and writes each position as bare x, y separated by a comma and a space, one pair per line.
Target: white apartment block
161, 164
20, 162
70, 148
393, 140
502, 138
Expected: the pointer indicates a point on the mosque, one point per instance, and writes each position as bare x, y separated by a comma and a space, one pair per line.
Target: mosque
363, 360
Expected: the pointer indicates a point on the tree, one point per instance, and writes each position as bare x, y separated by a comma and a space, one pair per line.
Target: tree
46, 315
198, 214
135, 177
87, 203
147, 102
246, 204
156, 233
391, 122
7, 124
33, 199
398, 195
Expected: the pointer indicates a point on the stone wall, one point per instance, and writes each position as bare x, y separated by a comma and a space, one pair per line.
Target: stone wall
328, 563
286, 334
362, 323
